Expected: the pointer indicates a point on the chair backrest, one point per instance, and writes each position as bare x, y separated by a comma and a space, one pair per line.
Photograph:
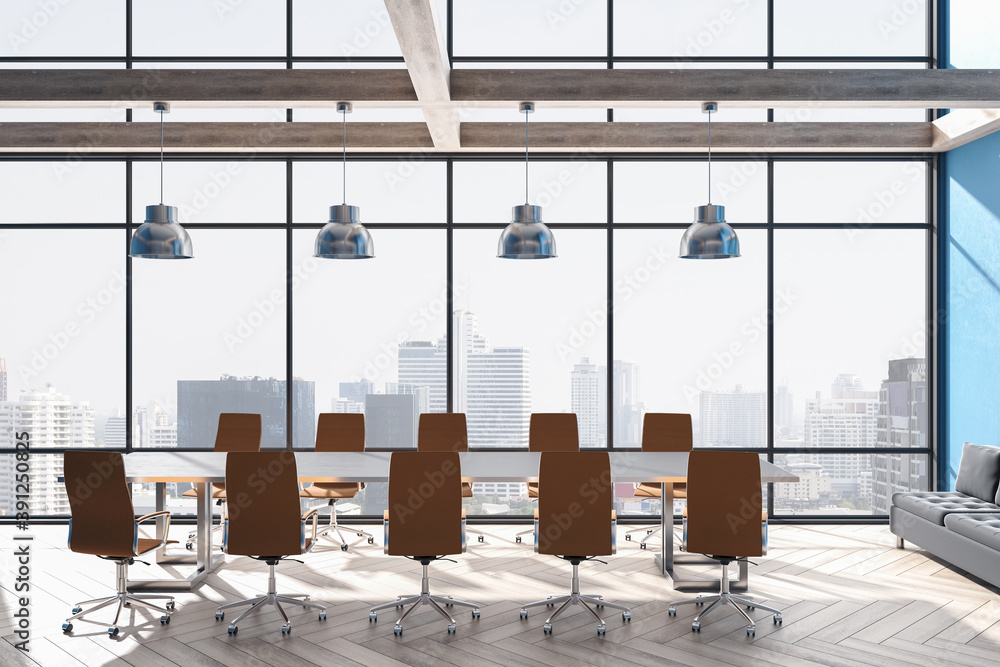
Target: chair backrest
666, 432
425, 504
238, 432
553, 432
263, 504
99, 502
442, 432
340, 432
574, 513
724, 503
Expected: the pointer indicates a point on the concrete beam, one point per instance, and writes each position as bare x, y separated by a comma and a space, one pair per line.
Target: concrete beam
421, 39
964, 125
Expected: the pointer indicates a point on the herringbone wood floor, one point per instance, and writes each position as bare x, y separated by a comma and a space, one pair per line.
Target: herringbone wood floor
849, 597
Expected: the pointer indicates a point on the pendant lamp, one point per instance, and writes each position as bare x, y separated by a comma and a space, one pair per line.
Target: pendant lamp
709, 237
161, 236
344, 237
526, 237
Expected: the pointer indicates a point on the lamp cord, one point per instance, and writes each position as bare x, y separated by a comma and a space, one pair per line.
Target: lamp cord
344, 111
710, 157
526, 157
161, 158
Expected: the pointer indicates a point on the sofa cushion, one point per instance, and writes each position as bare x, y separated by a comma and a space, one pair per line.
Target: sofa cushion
982, 528
979, 471
935, 505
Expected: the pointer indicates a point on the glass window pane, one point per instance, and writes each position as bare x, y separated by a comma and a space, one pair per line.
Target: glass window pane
850, 359
859, 193
530, 28
197, 28
398, 191
568, 191
520, 330
62, 351
848, 484
377, 347
61, 28
691, 337
237, 191
681, 186
356, 29
209, 336
850, 28
87, 191
690, 29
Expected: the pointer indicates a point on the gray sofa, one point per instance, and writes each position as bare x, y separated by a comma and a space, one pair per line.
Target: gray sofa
960, 526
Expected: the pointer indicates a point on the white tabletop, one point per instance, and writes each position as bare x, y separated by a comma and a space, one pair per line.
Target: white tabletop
481, 466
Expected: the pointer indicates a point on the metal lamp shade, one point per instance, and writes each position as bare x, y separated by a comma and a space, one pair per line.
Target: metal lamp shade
709, 237
526, 237
344, 237
161, 236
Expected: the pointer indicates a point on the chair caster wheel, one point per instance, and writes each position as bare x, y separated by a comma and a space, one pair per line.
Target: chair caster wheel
67, 627
451, 629
343, 547
750, 607
286, 629
126, 604
481, 538
547, 628
524, 614
751, 632
777, 619
322, 616
219, 615
171, 605
601, 630
517, 539
112, 632
627, 617
398, 630
189, 546
672, 612
76, 610
642, 545
628, 538
699, 604
371, 540
165, 619
232, 629
649, 531
373, 617
696, 627
475, 613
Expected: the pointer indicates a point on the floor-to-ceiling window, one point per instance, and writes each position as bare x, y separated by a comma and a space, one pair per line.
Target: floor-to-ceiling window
812, 349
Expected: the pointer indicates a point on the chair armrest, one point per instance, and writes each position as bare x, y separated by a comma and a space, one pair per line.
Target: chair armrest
385, 532
142, 519
314, 514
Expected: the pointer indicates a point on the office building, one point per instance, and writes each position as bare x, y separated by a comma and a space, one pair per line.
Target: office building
735, 418
425, 364
845, 421
199, 403
114, 432
356, 391
902, 422
588, 392
3, 379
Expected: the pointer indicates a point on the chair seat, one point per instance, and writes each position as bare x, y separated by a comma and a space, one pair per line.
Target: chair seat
331, 490
763, 515
218, 491
652, 490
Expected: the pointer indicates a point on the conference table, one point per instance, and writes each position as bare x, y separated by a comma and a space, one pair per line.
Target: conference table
204, 468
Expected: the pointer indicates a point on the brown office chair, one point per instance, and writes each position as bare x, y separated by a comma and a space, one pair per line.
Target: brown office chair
427, 523
575, 522
550, 432
338, 432
103, 524
662, 432
238, 432
264, 521
724, 501
445, 432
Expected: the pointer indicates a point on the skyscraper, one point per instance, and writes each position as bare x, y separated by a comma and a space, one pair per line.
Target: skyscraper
628, 409
902, 422
846, 420
356, 391
588, 390
425, 364
199, 403
114, 432
733, 418
3, 379
49, 419
783, 409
